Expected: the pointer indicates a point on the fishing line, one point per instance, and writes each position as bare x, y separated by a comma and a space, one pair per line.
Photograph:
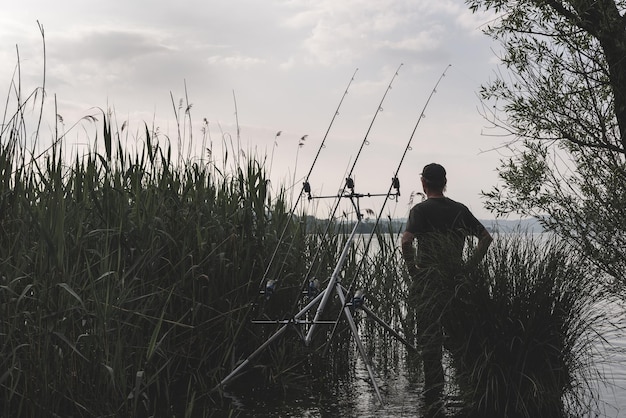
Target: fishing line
395, 184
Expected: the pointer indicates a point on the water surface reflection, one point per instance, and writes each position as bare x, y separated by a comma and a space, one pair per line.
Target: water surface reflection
352, 395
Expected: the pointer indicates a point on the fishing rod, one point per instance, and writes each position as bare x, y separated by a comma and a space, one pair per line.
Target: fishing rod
365, 141
306, 189
283, 232
349, 184
305, 184
395, 184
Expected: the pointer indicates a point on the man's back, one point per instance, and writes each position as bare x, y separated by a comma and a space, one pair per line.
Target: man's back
441, 226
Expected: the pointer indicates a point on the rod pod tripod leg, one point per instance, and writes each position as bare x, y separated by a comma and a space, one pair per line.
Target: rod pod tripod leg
281, 331
385, 325
323, 298
237, 370
355, 333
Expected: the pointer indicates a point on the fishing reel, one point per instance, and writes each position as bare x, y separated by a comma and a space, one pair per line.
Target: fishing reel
350, 184
270, 287
306, 187
358, 299
313, 288
395, 184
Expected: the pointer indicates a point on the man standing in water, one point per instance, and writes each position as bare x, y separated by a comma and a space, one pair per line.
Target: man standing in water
440, 226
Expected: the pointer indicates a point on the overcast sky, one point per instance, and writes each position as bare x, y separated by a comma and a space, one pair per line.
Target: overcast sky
286, 65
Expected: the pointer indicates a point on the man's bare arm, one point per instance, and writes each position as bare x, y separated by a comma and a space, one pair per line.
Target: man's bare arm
484, 240
408, 252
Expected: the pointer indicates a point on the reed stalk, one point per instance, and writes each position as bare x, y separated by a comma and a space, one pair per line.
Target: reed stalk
125, 276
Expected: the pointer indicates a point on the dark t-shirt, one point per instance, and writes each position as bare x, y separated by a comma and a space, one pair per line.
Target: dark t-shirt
441, 226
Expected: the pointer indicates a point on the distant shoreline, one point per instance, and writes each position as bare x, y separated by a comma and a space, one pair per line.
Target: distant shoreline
530, 225
520, 225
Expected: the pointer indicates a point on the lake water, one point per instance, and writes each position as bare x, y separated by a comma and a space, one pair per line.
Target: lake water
611, 361
401, 389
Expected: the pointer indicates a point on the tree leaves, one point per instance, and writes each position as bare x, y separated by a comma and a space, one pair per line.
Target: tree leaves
560, 98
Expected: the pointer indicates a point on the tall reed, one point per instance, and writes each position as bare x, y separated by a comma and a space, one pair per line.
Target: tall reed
521, 327
125, 277
128, 278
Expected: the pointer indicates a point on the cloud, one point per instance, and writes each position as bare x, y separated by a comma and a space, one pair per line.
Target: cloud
286, 60
339, 32
103, 44
235, 61
472, 23
422, 41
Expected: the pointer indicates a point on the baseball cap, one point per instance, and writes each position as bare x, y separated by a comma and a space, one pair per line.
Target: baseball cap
434, 173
